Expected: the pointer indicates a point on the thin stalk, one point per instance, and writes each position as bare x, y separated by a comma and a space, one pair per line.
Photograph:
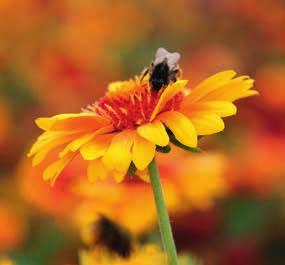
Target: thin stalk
163, 218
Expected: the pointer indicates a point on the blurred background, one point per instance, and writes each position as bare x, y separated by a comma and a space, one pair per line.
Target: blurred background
227, 204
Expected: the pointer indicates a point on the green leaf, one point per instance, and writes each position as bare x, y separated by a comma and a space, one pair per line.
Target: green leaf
174, 141
185, 147
163, 149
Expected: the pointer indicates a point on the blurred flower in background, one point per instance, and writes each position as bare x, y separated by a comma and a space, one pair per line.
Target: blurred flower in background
184, 191
5, 261
13, 227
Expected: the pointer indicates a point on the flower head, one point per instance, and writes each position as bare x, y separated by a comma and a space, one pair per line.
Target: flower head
123, 129
142, 255
147, 255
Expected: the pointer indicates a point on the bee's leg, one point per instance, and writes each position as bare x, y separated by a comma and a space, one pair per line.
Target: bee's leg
144, 73
179, 73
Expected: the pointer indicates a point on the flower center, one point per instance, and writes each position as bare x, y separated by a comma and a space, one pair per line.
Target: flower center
128, 110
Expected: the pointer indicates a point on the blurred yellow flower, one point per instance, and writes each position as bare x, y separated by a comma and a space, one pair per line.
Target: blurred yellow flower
6, 261
142, 255
44, 198
123, 129
131, 203
196, 179
147, 255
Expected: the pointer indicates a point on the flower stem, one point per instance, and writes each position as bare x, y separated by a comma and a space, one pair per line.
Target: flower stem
163, 218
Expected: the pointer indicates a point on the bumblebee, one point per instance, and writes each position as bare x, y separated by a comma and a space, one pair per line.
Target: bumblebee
163, 70
105, 233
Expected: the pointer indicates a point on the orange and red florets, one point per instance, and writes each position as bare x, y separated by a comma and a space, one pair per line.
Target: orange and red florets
126, 111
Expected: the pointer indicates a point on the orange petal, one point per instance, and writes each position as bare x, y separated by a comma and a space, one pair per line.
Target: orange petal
181, 127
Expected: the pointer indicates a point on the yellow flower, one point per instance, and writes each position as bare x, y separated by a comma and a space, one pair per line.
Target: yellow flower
143, 255
5, 261
184, 191
124, 128
147, 255
138, 215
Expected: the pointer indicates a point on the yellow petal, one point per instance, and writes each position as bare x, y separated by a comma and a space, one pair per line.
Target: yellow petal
221, 108
77, 143
230, 91
181, 127
143, 175
118, 176
168, 93
97, 147
143, 152
47, 138
118, 155
246, 94
206, 124
96, 170
42, 154
45, 149
80, 121
53, 170
207, 86
154, 132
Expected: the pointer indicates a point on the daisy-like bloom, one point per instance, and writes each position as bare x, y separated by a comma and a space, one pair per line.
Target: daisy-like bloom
119, 134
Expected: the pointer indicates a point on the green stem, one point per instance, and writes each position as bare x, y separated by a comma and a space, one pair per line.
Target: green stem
163, 218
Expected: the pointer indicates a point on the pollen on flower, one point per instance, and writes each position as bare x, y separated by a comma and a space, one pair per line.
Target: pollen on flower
129, 109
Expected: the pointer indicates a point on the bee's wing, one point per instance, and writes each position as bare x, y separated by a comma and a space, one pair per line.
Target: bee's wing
161, 53
173, 59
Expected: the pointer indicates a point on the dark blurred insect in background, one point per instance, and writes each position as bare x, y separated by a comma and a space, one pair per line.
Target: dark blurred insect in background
107, 234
